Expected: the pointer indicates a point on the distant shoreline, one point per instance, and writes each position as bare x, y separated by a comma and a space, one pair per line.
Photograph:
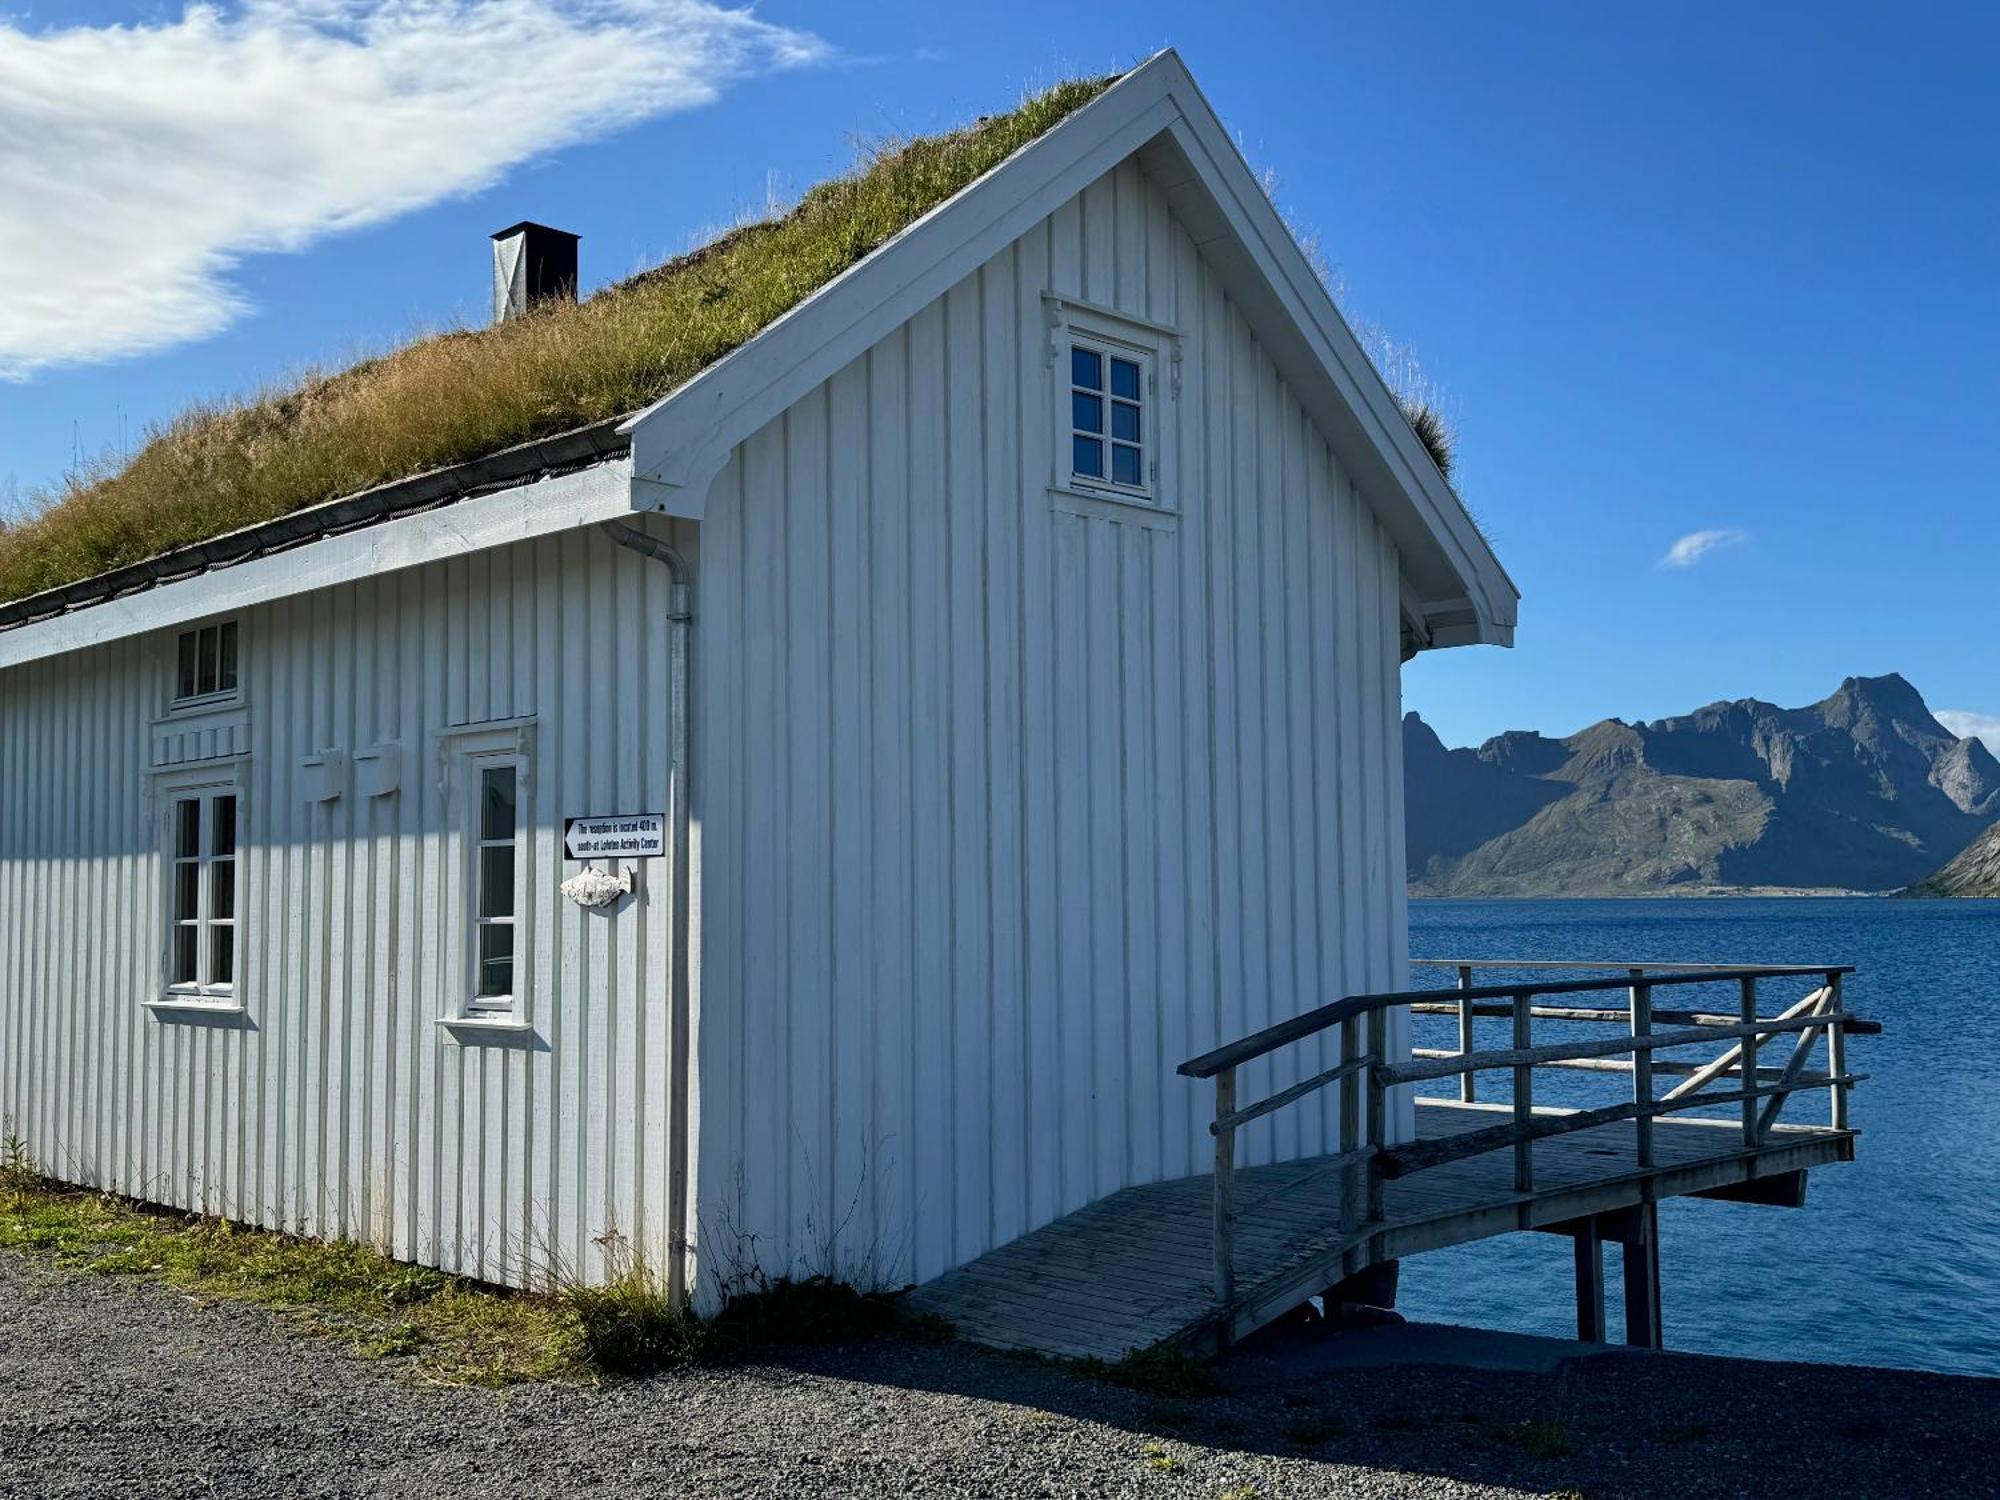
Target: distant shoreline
1684, 893
1724, 892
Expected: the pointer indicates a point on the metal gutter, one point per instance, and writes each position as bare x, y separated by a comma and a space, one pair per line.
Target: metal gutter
525, 462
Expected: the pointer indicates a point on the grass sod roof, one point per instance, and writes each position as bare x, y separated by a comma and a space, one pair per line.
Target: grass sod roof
457, 396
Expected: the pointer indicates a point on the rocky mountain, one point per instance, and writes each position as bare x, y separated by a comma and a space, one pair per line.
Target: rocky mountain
1976, 871
1863, 791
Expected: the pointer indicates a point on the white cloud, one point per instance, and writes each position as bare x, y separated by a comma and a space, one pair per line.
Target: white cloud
139, 163
1961, 722
1696, 545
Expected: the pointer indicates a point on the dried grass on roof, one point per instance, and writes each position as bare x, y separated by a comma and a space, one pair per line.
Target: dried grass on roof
456, 396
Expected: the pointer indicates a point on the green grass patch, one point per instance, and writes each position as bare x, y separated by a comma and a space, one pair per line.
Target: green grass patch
1158, 1372
450, 1330
1544, 1437
457, 395
1399, 1419
1317, 1428
447, 1329
1676, 1437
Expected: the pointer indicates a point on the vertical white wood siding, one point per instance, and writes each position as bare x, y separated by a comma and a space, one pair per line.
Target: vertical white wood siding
1007, 811
339, 1107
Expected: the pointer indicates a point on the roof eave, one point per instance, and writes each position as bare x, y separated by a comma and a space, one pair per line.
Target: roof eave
681, 442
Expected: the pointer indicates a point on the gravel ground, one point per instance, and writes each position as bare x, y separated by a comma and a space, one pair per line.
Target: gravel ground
113, 1386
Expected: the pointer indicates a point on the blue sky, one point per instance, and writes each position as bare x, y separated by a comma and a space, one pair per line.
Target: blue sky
1679, 269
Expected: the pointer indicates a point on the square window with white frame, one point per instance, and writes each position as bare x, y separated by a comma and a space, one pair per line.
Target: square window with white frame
205, 664
203, 931
1110, 439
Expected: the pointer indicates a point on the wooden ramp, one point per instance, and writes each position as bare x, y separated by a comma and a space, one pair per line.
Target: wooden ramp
1136, 1269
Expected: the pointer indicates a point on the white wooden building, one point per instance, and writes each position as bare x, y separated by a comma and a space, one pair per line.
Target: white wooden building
1006, 642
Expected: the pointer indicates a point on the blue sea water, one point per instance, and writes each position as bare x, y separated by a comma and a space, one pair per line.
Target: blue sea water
1895, 1259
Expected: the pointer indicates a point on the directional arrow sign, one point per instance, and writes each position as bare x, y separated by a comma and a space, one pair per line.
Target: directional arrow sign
616, 836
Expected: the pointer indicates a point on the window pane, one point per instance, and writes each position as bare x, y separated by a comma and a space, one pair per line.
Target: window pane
1125, 379
496, 961
1124, 464
1125, 421
496, 802
1086, 368
1089, 457
204, 677
223, 827
184, 949
222, 890
225, 677
187, 885
1086, 413
496, 881
184, 688
222, 955
187, 835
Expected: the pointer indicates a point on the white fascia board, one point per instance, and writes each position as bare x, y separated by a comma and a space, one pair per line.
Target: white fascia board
681, 442
1395, 465
562, 503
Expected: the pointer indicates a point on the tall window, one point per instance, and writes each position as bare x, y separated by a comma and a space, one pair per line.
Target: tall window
499, 829
1107, 400
490, 780
207, 662
201, 946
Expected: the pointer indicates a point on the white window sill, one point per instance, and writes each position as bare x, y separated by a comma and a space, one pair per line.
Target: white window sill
1109, 505
476, 1028
185, 708
169, 1007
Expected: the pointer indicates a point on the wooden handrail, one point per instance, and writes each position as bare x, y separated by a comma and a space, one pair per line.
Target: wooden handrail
1853, 1025
1661, 1066
1401, 1161
1273, 1037
1518, 1057
1626, 966
1248, 1112
1363, 1078
1306, 1024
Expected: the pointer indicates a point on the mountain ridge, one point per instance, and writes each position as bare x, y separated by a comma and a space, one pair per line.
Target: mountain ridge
1975, 871
1864, 790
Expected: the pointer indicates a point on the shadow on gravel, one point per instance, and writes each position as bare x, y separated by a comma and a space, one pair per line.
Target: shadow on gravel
1595, 1424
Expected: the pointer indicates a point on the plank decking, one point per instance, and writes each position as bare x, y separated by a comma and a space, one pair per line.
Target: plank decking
1136, 1270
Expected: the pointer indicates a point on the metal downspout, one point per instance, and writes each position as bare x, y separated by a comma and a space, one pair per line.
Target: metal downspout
680, 621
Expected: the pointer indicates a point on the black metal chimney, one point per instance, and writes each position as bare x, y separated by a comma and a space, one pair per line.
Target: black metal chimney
531, 263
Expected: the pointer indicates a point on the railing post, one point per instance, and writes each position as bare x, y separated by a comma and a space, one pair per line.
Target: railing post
1642, 1065
1836, 1053
1524, 1095
1468, 1083
1225, 1194
1378, 1112
1353, 1183
1747, 1063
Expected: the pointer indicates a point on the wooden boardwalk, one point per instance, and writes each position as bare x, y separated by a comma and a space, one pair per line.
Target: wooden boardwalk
1136, 1269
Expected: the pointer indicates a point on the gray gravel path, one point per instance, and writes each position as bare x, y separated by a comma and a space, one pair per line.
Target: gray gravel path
112, 1386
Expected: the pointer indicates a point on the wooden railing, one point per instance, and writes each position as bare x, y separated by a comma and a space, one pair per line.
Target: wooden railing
1364, 1076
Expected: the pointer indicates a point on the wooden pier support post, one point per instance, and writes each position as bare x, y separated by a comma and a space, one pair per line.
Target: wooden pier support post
1642, 1066
1836, 1051
1748, 1063
1225, 1196
1588, 1239
1468, 1083
1642, 1278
